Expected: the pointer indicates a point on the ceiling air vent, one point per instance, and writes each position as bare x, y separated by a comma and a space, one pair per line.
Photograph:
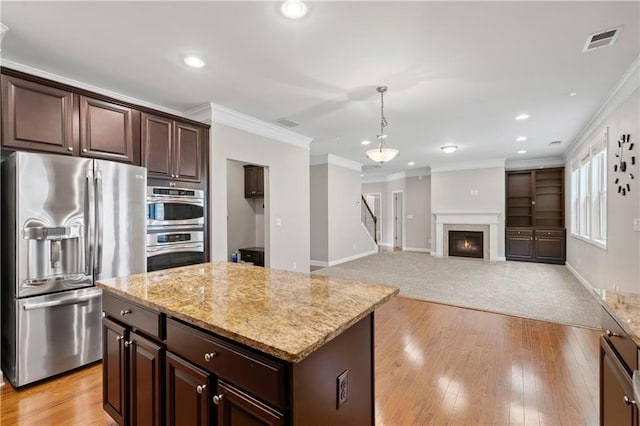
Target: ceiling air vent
287, 123
601, 39
552, 143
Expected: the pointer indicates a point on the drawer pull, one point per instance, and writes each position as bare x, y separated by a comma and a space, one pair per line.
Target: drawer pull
217, 399
200, 389
610, 333
128, 343
208, 357
629, 401
125, 312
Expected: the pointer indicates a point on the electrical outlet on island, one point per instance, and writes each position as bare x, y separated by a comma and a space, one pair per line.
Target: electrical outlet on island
342, 388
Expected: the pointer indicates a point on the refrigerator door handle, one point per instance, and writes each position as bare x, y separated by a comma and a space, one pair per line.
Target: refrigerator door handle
61, 302
99, 221
89, 214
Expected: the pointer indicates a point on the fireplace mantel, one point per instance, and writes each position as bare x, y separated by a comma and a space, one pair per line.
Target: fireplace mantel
475, 218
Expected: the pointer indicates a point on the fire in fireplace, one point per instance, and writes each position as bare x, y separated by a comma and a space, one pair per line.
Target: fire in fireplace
466, 244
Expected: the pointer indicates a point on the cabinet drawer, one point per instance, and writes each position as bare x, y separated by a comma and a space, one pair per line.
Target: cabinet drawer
252, 372
134, 315
549, 233
519, 232
249, 256
620, 341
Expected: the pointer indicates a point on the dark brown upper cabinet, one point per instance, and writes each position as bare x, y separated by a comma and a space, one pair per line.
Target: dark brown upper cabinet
253, 181
37, 117
109, 131
171, 149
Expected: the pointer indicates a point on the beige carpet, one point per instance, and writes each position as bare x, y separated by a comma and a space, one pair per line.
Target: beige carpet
529, 290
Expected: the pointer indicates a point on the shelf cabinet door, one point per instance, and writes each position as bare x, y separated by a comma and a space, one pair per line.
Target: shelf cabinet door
187, 152
107, 131
237, 408
37, 117
157, 146
187, 392
519, 246
146, 371
253, 182
550, 246
114, 370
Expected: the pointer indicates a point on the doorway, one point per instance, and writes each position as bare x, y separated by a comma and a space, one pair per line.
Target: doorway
397, 197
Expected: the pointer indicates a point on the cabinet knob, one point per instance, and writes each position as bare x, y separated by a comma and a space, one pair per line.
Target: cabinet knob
208, 357
201, 388
128, 343
125, 312
84, 149
118, 338
70, 148
173, 176
533, 202
629, 401
217, 399
177, 176
610, 333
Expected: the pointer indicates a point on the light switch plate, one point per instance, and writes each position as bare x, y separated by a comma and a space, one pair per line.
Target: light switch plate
278, 221
636, 224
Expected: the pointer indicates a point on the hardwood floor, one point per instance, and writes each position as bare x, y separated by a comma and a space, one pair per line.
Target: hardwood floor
435, 364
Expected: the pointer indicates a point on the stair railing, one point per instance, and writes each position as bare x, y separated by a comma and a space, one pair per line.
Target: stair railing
369, 219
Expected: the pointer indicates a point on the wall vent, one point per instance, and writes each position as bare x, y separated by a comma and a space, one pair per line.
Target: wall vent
286, 122
552, 143
602, 39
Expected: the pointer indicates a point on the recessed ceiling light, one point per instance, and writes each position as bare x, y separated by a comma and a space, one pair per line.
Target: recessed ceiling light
411, 163
522, 117
522, 151
365, 142
448, 149
194, 61
361, 175
572, 94
521, 138
293, 9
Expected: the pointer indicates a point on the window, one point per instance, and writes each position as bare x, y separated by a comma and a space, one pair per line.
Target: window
589, 193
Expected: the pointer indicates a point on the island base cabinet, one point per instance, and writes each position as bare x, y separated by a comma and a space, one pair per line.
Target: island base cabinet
132, 376
237, 408
188, 393
616, 391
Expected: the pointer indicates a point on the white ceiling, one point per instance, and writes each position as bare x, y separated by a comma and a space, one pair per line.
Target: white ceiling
458, 72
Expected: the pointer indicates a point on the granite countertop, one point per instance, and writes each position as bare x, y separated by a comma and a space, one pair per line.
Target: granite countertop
625, 308
285, 314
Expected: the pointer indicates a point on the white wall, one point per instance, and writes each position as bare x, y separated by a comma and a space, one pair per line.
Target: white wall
471, 191
347, 235
619, 263
418, 212
319, 213
286, 192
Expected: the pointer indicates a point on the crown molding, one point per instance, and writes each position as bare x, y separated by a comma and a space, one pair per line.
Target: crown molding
469, 165
534, 163
75, 83
335, 160
624, 88
384, 179
219, 114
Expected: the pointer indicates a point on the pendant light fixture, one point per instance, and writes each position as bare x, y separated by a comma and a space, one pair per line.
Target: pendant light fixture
382, 154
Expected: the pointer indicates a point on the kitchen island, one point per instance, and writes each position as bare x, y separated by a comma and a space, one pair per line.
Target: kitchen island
239, 344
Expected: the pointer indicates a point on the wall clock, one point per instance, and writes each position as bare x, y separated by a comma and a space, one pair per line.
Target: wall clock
622, 166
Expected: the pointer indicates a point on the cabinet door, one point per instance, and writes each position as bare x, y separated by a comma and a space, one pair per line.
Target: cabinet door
260, 181
615, 389
107, 130
145, 379
114, 370
36, 117
519, 247
157, 143
187, 393
187, 152
237, 408
549, 248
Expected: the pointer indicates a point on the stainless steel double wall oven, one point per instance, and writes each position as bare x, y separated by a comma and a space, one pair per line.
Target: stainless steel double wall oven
175, 227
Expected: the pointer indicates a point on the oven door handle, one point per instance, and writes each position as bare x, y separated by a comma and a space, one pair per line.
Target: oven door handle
176, 248
165, 200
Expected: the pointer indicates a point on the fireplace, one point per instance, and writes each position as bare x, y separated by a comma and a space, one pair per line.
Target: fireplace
466, 244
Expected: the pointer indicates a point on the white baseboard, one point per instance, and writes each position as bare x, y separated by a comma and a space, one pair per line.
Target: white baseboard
320, 263
579, 277
385, 244
420, 250
354, 257
1, 379
501, 259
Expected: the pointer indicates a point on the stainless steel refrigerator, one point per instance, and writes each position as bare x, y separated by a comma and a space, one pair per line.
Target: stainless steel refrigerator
66, 222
